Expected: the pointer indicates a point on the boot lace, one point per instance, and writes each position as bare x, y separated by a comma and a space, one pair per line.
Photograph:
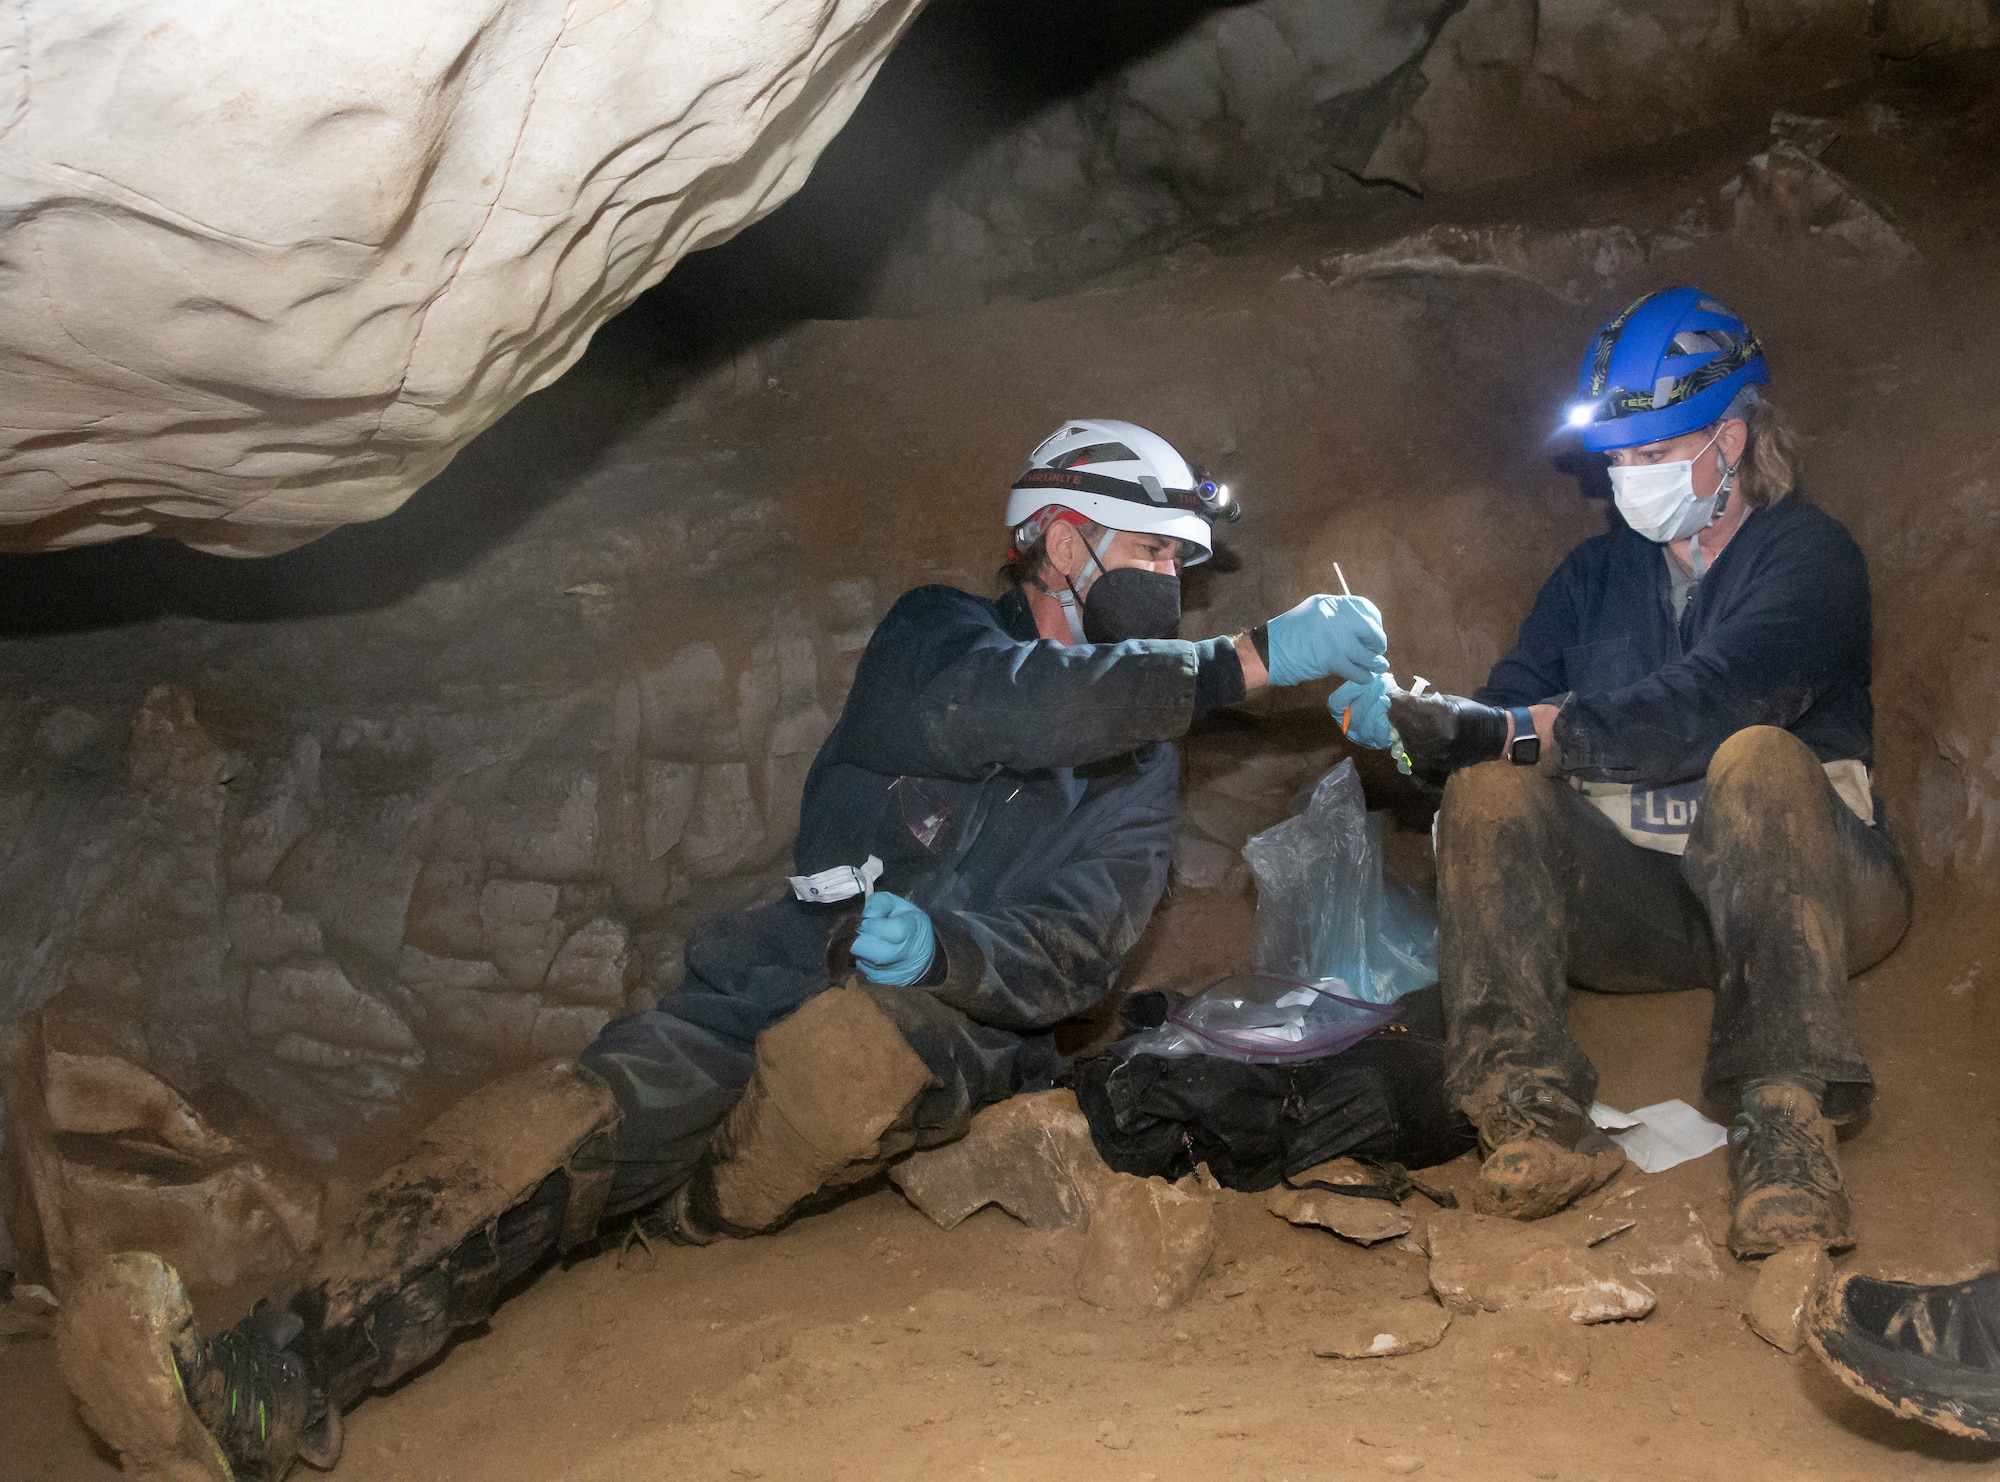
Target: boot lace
254, 1397
1773, 1147
1532, 1111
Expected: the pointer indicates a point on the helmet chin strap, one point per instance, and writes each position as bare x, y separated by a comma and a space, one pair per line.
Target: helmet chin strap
1697, 558
1070, 599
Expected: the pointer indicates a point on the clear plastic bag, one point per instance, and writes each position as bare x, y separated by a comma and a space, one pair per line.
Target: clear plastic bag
1324, 909
1262, 1019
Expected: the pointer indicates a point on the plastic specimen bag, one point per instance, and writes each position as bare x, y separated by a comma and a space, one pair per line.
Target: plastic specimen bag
1324, 908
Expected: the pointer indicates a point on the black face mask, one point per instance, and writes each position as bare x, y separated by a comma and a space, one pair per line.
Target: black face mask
1132, 603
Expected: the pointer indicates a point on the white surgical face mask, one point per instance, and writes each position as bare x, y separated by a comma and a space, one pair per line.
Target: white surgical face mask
1659, 501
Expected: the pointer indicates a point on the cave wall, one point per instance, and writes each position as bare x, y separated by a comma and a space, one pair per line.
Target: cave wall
308, 844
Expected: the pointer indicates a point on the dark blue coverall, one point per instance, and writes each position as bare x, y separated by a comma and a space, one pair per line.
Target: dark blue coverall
1023, 793
1783, 890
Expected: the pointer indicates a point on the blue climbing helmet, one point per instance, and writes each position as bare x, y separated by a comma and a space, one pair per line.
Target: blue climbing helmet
1666, 364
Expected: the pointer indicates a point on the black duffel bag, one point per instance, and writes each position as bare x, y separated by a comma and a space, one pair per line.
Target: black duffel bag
1381, 1100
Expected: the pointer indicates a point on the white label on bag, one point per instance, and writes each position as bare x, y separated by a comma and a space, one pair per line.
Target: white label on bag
841, 883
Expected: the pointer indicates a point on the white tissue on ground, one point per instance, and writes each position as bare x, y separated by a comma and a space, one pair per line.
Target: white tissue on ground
1662, 1136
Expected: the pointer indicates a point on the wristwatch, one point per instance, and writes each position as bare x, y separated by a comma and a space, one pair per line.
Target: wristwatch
1526, 747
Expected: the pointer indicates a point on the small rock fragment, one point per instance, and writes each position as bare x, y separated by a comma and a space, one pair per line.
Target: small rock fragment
1599, 1228
1386, 1329
1347, 1172
1365, 1221
1031, 1155
1402, 1464
1481, 1261
1660, 1253
1147, 1244
31, 1312
1776, 1311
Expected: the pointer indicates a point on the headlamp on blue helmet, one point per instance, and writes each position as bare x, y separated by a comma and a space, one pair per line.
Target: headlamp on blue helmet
1670, 363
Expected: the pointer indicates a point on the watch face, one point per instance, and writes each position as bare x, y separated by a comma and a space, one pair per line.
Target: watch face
1526, 751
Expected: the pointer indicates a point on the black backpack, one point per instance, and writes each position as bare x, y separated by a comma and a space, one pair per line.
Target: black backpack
1381, 1100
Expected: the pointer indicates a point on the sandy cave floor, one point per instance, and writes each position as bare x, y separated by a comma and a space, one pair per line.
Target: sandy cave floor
865, 1343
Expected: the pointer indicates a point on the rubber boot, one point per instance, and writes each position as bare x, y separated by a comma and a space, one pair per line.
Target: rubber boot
419, 1258
828, 1104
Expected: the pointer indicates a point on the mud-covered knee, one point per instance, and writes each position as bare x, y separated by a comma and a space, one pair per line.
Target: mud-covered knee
1761, 769
1479, 800
840, 1059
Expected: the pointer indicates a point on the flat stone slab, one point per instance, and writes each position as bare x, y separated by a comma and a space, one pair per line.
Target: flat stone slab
1784, 1293
1363, 1220
1481, 1262
1386, 1329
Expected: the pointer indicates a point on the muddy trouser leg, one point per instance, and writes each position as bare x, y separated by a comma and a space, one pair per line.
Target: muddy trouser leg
1536, 888
514, 1172
840, 1091
678, 1070
1801, 894
971, 1065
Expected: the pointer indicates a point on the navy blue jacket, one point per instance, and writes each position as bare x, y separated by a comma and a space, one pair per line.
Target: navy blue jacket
1777, 633
1020, 791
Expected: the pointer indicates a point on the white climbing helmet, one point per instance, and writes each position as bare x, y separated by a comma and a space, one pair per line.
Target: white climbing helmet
1123, 477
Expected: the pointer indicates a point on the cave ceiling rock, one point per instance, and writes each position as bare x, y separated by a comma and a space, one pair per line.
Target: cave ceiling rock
1906, 29
1276, 101
1255, 106
270, 267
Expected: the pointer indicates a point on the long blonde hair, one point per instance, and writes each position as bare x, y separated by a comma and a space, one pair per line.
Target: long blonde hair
1770, 466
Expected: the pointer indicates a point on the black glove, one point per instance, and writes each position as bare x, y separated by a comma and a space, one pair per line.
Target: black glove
1442, 733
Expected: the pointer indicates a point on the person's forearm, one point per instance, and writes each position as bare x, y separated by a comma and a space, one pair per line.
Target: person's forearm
1545, 725
1255, 674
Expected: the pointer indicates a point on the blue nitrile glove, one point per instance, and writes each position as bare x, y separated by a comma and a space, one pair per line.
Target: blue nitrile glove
1328, 635
896, 941
1366, 707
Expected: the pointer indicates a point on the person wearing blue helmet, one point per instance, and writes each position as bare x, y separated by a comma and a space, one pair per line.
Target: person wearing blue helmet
1665, 786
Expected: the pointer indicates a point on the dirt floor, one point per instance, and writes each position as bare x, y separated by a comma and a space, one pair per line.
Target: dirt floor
866, 1343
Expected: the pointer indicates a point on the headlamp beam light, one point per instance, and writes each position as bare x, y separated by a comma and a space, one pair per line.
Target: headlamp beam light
1582, 413
1217, 502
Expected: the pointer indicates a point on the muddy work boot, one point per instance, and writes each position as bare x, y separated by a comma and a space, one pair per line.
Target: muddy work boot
1787, 1185
514, 1172
1929, 1353
1542, 1152
235, 1408
828, 1104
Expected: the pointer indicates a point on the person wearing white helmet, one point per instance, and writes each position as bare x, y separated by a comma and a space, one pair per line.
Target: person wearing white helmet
1665, 786
982, 839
